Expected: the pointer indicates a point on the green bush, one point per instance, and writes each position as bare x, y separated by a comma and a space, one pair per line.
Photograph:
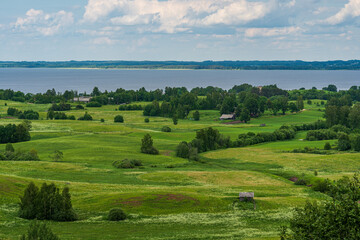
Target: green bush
86, 117
166, 129
327, 146
119, 119
116, 214
93, 104
146, 120
79, 107
102, 120
301, 182
126, 163
39, 231
147, 145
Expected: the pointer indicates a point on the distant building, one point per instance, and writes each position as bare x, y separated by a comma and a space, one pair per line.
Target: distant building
248, 197
82, 99
228, 116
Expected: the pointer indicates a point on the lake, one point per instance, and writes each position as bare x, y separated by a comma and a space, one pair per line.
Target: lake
36, 80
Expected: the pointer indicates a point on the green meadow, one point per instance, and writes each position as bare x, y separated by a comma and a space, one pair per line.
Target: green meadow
168, 197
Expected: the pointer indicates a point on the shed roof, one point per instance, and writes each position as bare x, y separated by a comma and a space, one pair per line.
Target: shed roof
247, 194
225, 116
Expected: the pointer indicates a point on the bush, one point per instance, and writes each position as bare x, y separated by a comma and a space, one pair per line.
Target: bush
102, 120
355, 142
93, 104
327, 146
13, 111
147, 145
86, 117
71, 117
146, 120
29, 114
300, 182
39, 231
119, 119
196, 116
126, 163
344, 142
116, 214
166, 129
79, 107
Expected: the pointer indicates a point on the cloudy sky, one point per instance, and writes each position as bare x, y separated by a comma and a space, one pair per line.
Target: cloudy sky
179, 30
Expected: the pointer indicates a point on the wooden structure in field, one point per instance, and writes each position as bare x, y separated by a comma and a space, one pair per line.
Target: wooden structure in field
248, 197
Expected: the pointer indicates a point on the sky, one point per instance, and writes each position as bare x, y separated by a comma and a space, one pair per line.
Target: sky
185, 30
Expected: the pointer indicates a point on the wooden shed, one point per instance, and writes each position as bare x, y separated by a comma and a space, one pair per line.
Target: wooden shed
228, 117
246, 196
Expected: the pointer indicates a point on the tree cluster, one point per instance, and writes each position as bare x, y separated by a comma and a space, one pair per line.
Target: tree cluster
46, 203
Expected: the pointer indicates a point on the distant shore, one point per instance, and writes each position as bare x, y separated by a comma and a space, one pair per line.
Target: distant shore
189, 65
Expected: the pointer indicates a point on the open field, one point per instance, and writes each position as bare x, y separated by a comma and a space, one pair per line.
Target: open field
168, 197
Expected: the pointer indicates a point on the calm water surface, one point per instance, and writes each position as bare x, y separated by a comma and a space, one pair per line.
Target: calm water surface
39, 80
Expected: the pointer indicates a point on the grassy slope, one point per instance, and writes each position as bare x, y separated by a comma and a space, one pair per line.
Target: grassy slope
190, 200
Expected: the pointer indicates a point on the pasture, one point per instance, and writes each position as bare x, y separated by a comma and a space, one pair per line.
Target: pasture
168, 197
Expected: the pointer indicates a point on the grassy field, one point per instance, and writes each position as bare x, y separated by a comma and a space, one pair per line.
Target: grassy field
169, 197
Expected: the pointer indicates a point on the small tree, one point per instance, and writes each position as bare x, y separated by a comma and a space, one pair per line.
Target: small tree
147, 145
175, 119
355, 142
327, 146
344, 142
38, 231
57, 156
146, 120
166, 129
196, 116
116, 214
245, 115
119, 119
9, 148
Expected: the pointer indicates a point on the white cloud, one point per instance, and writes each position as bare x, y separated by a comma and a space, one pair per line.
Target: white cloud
350, 10
176, 15
271, 32
103, 41
43, 23
238, 12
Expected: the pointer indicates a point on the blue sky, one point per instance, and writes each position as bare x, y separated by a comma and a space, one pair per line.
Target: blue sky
179, 30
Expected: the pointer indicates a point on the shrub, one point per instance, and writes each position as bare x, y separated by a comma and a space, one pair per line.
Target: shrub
93, 104
13, 111
183, 150
39, 231
147, 145
86, 117
344, 142
175, 120
126, 163
102, 120
9, 148
119, 119
71, 117
355, 142
79, 107
327, 146
146, 120
116, 214
29, 114
300, 182
166, 129
196, 116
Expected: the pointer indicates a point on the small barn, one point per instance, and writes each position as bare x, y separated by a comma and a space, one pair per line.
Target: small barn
246, 196
228, 117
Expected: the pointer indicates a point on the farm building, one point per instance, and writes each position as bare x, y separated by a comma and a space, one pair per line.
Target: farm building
246, 196
228, 116
82, 99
